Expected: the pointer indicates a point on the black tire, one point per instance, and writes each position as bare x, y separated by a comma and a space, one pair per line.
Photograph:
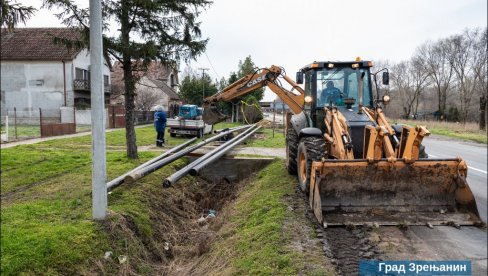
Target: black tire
422, 153
291, 150
309, 149
172, 134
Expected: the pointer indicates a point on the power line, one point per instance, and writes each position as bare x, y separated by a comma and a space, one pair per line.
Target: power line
211, 65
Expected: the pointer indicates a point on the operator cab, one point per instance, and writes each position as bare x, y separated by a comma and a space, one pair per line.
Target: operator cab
337, 84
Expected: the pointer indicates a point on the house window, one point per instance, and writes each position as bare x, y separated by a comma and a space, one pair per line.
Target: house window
172, 80
82, 74
105, 80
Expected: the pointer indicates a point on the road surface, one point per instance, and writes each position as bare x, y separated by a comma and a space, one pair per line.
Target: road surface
475, 156
449, 243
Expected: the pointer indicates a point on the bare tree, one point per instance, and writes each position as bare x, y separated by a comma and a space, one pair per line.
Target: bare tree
461, 57
479, 65
434, 56
146, 98
410, 80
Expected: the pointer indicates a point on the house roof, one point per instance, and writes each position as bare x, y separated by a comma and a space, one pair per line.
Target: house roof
157, 73
166, 89
38, 44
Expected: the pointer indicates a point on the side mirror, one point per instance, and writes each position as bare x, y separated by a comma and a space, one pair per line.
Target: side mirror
299, 78
386, 78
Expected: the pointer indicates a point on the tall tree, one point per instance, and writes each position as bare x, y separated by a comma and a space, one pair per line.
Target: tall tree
480, 70
193, 88
147, 30
410, 80
247, 67
14, 13
461, 57
434, 56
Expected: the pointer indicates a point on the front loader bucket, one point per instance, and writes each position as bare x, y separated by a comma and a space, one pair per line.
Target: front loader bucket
211, 115
392, 192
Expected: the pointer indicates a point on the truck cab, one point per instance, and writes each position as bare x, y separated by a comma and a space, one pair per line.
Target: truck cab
189, 111
343, 85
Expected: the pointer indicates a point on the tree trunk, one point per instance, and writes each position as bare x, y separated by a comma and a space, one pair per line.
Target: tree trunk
130, 133
483, 102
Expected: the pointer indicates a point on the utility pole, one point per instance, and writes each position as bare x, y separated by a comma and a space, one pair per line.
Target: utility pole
203, 83
99, 164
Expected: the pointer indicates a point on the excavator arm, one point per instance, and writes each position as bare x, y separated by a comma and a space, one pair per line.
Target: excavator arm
264, 77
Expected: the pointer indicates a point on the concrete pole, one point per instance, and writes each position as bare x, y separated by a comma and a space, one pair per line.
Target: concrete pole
99, 162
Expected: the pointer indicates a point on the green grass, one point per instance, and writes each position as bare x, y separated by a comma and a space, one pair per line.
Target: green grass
466, 132
256, 241
46, 204
259, 236
268, 141
46, 208
23, 131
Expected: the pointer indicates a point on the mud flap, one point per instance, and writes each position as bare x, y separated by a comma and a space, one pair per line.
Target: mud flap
211, 115
391, 192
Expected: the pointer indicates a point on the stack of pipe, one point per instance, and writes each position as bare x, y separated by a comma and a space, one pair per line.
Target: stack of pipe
119, 180
145, 170
194, 167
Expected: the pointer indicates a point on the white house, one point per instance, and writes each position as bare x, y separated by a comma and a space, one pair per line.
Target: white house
158, 85
38, 73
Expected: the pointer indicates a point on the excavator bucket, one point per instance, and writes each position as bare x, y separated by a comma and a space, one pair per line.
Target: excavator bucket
392, 192
211, 115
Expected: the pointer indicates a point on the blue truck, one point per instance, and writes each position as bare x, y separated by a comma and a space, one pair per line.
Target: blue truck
188, 122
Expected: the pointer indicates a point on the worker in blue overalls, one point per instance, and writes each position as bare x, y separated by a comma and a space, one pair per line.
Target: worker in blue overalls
160, 125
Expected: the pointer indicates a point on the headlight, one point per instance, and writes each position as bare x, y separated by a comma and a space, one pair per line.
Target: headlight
386, 98
308, 99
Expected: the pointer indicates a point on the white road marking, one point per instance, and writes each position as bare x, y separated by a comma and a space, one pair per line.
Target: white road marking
475, 169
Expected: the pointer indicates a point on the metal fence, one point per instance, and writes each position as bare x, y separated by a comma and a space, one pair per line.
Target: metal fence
27, 124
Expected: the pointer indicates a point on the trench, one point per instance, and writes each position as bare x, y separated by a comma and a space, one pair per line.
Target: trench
218, 185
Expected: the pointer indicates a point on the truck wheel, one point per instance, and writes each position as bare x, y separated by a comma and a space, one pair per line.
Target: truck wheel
422, 153
172, 134
200, 133
310, 149
291, 150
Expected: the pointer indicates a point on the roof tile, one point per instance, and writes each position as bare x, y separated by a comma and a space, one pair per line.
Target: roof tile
37, 44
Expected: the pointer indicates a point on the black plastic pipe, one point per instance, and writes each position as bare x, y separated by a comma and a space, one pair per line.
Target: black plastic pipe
119, 180
170, 180
138, 174
195, 170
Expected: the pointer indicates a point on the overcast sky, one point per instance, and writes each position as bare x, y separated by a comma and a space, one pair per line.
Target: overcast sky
293, 33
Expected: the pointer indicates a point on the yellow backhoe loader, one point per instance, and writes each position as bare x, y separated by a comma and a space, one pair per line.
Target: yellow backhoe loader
356, 167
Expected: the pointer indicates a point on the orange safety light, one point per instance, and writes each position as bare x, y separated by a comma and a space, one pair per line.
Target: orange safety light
358, 59
314, 65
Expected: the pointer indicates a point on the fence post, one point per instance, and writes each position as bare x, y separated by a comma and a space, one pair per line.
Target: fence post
40, 121
15, 122
74, 117
6, 128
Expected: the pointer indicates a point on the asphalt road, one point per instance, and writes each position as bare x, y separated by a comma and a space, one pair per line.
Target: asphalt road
475, 156
449, 243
